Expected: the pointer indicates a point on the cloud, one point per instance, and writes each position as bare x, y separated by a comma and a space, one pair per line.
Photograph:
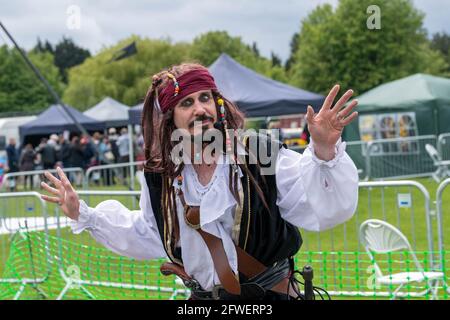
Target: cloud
271, 24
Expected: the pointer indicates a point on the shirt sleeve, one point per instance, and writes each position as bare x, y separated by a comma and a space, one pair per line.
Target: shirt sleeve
314, 194
131, 233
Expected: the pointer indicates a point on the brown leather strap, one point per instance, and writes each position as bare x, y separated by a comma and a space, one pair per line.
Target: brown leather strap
168, 268
248, 265
228, 279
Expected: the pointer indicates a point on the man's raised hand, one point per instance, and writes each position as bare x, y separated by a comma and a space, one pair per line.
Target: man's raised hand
327, 125
64, 194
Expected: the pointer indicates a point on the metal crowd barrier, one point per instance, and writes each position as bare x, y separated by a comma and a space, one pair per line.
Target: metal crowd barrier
25, 216
35, 174
405, 204
443, 219
443, 146
62, 258
399, 158
109, 174
355, 150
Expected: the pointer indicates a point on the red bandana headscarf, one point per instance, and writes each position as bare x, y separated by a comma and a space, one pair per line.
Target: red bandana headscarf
190, 82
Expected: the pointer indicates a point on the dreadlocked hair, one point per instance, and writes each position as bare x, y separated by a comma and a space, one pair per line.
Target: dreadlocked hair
157, 130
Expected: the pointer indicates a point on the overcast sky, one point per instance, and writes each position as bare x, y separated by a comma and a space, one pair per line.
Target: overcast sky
269, 23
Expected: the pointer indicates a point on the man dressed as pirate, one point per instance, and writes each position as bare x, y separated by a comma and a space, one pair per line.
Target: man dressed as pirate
229, 225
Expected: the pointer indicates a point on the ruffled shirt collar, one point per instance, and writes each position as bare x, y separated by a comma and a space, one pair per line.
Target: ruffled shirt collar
217, 207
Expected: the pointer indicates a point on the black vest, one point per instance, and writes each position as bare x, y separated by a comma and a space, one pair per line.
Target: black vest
264, 235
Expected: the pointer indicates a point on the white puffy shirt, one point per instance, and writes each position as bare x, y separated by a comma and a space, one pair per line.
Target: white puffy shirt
311, 194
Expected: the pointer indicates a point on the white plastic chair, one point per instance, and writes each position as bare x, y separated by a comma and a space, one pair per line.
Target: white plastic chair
442, 165
381, 237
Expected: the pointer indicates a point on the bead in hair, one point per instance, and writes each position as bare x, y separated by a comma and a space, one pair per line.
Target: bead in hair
175, 83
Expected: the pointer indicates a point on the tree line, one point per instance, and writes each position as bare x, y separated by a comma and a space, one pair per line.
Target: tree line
332, 45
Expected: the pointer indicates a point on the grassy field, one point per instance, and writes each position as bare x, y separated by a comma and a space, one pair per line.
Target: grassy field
336, 256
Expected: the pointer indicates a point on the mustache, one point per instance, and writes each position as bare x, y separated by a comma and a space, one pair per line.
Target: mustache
201, 118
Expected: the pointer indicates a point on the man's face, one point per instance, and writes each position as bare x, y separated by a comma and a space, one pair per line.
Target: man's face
198, 107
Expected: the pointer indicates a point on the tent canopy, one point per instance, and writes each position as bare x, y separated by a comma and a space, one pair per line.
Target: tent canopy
111, 111
134, 114
406, 93
255, 95
259, 96
428, 97
417, 105
55, 120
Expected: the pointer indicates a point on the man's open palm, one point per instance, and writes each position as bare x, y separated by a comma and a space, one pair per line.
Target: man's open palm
327, 125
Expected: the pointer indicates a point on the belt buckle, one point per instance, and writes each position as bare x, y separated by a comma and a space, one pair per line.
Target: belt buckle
192, 284
215, 291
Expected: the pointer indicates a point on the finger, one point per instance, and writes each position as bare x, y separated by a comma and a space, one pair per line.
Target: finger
309, 114
342, 101
331, 96
52, 178
350, 118
65, 181
344, 112
51, 199
49, 189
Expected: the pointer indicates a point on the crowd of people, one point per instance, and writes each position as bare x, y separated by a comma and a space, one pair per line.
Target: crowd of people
80, 152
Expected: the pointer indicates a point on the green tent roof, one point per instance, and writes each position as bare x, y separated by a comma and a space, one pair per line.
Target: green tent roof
405, 93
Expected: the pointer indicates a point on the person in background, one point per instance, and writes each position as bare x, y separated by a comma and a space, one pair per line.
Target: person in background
95, 160
106, 157
48, 153
64, 152
76, 158
26, 163
13, 161
124, 151
112, 137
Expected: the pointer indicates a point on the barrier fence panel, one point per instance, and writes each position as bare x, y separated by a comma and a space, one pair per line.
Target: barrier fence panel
443, 222
13, 180
113, 174
399, 158
356, 149
80, 267
341, 262
443, 146
24, 211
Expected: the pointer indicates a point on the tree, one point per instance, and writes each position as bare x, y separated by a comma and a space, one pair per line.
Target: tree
126, 80
338, 47
21, 90
207, 47
43, 47
68, 55
294, 48
441, 42
255, 49
276, 61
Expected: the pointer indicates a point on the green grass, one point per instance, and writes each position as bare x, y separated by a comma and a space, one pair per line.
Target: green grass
338, 260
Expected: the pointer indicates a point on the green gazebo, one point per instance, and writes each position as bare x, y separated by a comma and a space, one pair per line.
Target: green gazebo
417, 105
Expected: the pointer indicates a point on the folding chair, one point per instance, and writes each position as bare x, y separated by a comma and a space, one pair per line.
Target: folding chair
442, 165
381, 237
